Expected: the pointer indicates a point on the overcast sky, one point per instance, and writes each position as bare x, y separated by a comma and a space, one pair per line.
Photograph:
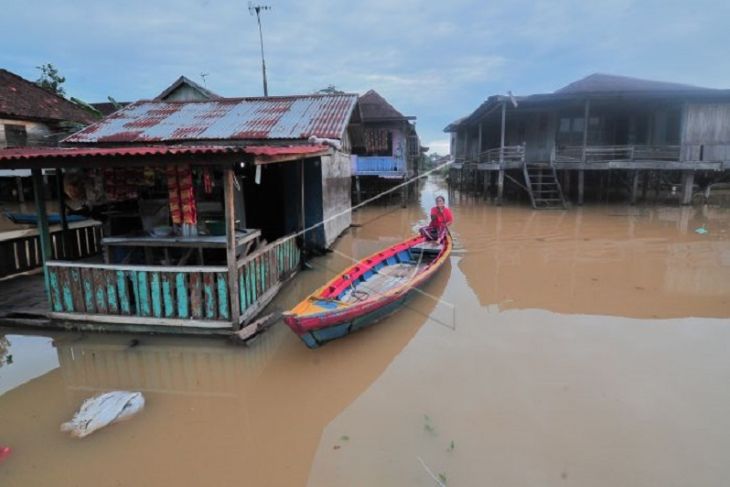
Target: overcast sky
434, 60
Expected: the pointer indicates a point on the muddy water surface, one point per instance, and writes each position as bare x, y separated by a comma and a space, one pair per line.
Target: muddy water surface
587, 347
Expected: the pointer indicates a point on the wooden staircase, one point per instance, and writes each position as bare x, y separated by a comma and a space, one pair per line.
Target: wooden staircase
541, 181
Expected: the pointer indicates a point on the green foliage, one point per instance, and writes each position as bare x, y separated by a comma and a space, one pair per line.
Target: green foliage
50, 79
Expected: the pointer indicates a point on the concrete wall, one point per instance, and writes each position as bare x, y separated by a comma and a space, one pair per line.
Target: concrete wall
336, 194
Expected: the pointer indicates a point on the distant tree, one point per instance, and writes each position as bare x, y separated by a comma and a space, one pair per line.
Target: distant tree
51, 79
330, 90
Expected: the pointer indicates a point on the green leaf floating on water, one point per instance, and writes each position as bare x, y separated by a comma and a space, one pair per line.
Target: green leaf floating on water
345, 438
451, 446
442, 478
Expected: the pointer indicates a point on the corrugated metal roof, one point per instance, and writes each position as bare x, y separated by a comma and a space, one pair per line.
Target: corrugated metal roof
27, 153
286, 117
275, 150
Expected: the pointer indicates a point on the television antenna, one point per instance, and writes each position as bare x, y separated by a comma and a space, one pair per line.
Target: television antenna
203, 76
256, 10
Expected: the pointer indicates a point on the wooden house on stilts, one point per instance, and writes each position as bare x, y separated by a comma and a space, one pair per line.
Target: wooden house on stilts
206, 208
601, 133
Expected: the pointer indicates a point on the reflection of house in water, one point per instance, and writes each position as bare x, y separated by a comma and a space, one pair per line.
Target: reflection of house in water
207, 403
641, 265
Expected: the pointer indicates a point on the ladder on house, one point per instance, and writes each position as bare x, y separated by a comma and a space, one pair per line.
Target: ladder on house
542, 184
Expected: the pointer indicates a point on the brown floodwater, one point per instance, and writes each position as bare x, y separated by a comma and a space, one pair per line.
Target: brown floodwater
579, 347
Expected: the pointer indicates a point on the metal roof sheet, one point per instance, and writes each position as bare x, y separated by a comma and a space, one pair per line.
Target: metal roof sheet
285, 117
27, 153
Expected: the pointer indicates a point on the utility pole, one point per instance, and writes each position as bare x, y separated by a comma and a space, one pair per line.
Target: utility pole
256, 9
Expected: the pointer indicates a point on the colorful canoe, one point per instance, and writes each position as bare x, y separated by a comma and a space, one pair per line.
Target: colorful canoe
368, 291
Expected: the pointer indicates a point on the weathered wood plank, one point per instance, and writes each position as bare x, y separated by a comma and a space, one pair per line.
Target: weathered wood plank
209, 292
181, 284
100, 296
243, 300
111, 291
145, 308
156, 294
168, 295
196, 296
123, 292
138, 320
222, 284
135, 292
77, 291
56, 302
64, 276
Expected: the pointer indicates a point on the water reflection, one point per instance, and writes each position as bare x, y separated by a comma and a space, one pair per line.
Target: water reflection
216, 414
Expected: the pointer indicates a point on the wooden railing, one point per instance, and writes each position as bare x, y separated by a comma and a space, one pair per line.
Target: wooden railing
261, 274
367, 165
20, 249
605, 153
510, 153
175, 296
153, 295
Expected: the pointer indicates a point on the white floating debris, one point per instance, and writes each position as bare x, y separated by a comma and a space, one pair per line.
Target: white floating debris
102, 410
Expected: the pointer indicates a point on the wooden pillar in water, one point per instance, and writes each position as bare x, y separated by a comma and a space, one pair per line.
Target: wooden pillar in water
65, 244
43, 234
634, 187
645, 185
500, 177
231, 260
581, 173
688, 179
21, 194
581, 185
357, 190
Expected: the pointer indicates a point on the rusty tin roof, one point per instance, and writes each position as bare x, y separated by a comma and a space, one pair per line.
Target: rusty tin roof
281, 117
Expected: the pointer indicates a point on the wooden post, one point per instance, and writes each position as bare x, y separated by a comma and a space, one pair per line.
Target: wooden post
586, 115
479, 151
302, 213
500, 177
635, 187
645, 185
581, 185
358, 193
43, 235
688, 179
232, 262
21, 194
65, 244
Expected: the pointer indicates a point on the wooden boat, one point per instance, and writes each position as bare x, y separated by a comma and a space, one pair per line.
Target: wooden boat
367, 291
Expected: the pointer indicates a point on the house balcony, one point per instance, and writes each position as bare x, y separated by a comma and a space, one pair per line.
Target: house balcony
381, 166
623, 153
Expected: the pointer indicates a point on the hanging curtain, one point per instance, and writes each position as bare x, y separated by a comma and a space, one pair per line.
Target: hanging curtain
183, 210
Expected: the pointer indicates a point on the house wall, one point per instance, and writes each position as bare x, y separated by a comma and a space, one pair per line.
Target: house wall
336, 194
38, 133
706, 132
185, 93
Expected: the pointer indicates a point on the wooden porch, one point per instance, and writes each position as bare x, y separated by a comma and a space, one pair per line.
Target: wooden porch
151, 294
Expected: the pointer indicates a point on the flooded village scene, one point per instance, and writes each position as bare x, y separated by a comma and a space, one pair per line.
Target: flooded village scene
383, 243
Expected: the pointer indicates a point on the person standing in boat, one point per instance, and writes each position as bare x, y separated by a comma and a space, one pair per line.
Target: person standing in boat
441, 219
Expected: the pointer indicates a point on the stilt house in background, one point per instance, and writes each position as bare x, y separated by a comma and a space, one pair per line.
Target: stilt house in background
628, 129
385, 146
246, 184
30, 117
